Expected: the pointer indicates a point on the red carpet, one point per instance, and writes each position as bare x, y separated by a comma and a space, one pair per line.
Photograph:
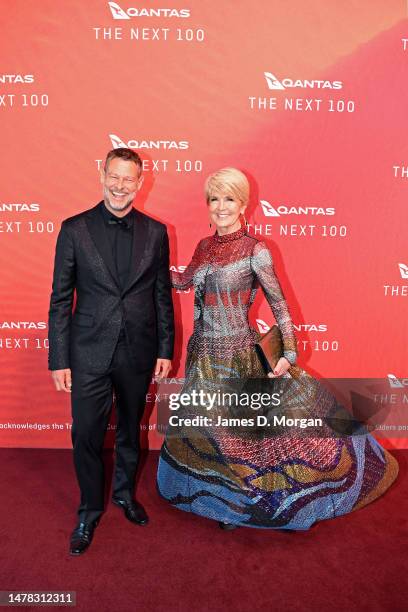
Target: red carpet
183, 562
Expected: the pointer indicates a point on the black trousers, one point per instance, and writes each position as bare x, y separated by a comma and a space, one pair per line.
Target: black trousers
91, 402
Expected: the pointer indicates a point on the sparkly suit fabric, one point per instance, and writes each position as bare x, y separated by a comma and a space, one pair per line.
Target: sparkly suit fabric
282, 481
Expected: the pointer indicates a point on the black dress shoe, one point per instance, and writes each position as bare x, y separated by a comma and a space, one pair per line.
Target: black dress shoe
81, 537
134, 512
227, 526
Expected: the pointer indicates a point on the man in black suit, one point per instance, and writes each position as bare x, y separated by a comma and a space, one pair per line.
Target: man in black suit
115, 261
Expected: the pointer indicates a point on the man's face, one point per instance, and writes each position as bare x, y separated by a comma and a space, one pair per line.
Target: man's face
121, 182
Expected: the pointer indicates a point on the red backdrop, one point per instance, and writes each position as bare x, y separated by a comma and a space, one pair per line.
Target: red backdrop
309, 99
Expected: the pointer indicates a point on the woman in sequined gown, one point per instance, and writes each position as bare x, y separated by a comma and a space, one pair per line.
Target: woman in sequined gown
282, 481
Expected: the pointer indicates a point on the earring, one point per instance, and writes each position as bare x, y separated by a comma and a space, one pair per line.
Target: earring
244, 219
210, 225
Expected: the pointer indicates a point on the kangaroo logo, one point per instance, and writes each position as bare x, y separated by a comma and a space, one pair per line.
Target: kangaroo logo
272, 81
117, 12
403, 270
268, 209
117, 143
395, 383
262, 326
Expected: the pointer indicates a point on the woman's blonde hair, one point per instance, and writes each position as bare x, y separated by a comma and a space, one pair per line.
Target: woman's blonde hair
230, 181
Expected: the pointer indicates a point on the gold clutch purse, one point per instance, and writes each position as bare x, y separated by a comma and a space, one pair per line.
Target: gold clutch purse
270, 348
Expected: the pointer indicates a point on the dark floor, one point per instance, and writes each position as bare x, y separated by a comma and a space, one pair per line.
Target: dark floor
183, 562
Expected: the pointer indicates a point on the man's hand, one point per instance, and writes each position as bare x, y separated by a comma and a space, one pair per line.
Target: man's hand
62, 380
281, 368
163, 367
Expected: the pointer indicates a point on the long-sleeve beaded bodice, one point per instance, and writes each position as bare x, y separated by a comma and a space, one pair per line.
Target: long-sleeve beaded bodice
226, 272
259, 476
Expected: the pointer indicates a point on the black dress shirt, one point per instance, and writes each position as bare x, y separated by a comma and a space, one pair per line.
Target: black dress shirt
120, 234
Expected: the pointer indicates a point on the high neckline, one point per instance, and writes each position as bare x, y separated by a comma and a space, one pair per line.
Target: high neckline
229, 237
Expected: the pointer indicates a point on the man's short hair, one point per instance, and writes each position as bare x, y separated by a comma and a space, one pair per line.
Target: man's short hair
125, 154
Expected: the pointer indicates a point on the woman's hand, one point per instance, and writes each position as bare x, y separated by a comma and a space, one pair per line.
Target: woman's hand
281, 368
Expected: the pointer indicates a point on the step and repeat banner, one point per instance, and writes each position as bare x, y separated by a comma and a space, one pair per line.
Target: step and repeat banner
309, 99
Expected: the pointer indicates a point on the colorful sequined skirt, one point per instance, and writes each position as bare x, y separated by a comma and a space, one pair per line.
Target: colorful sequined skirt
280, 481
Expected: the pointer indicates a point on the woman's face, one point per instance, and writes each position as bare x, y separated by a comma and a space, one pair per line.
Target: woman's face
225, 211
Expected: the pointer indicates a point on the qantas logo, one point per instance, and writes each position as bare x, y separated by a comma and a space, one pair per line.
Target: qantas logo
119, 13
148, 144
403, 270
270, 211
177, 268
16, 78
262, 326
286, 83
310, 327
117, 143
23, 325
11, 207
272, 81
397, 383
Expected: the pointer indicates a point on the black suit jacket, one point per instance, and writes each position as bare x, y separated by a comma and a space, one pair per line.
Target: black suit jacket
87, 337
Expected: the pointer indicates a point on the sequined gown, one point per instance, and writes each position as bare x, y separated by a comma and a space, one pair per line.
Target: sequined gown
282, 481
